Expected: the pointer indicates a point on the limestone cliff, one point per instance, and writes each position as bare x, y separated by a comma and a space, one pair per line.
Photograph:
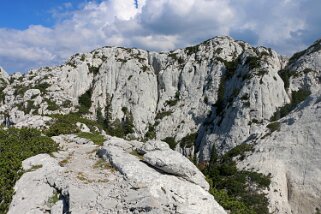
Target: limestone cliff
218, 94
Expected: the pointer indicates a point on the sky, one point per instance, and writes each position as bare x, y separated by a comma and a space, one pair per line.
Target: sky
35, 33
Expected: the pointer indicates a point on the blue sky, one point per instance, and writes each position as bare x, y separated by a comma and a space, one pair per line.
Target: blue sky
36, 33
19, 14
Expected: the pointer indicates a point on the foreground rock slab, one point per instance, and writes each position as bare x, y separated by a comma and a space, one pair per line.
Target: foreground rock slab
76, 180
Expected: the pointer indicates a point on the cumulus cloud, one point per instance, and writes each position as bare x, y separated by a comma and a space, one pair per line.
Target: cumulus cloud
285, 25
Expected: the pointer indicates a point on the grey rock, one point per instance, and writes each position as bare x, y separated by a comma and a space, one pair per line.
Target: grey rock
153, 145
174, 163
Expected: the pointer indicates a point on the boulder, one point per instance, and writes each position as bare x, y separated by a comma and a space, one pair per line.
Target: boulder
174, 163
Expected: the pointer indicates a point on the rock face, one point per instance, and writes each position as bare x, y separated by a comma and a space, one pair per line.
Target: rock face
77, 181
292, 156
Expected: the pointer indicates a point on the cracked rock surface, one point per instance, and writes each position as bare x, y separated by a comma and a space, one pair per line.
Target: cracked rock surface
76, 180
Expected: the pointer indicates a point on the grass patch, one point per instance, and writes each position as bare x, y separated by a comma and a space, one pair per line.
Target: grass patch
81, 176
97, 138
53, 199
66, 124
135, 153
34, 168
102, 164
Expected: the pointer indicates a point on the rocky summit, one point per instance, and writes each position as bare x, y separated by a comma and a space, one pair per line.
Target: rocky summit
134, 131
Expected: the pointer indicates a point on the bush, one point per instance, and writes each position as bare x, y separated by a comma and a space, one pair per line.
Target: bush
285, 76
253, 62
297, 97
275, 126
171, 142
151, 133
85, 102
66, 124
161, 115
189, 140
52, 105
17, 145
42, 87
231, 187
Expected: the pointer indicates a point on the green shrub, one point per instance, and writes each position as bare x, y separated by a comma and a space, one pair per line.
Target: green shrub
297, 97
92, 69
296, 56
151, 133
220, 104
231, 187
161, 115
191, 50
66, 104
42, 87
97, 138
285, 75
85, 102
17, 145
253, 62
173, 56
189, 140
20, 90
171, 142
275, 126
66, 124
52, 105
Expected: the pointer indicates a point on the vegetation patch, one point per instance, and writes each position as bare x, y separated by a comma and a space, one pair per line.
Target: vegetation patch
297, 97
66, 124
240, 192
191, 50
188, 141
275, 126
42, 87
102, 164
92, 69
53, 199
151, 133
285, 75
253, 62
174, 101
17, 145
85, 102
97, 138
171, 142
161, 115
135, 153
52, 105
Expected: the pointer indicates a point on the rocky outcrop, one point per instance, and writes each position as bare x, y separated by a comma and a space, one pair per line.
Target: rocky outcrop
3, 77
75, 180
165, 190
32, 191
170, 93
292, 157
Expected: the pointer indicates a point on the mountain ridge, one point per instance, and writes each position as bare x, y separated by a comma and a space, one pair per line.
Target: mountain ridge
202, 99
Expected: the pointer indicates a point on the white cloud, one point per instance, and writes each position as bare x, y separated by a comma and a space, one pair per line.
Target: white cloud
285, 25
